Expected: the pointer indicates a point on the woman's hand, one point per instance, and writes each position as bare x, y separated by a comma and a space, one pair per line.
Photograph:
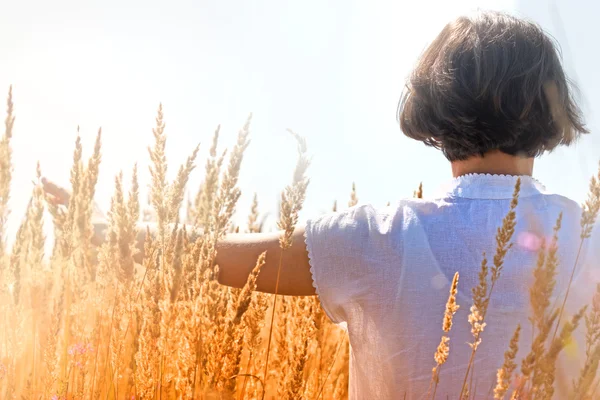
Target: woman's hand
60, 196
56, 194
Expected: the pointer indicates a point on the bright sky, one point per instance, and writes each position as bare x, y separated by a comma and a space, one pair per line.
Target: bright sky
332, 71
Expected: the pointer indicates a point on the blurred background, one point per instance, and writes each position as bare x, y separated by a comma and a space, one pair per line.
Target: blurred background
332, 71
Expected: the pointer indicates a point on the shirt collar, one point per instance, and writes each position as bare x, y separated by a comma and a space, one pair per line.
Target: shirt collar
488, 186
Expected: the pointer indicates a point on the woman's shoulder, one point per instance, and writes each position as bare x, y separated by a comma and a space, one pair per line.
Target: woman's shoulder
563, 202
370, 217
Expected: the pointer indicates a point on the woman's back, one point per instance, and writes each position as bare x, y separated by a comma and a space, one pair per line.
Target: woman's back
490, 93
385, 274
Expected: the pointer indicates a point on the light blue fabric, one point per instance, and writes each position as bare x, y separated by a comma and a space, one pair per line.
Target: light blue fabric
384, 275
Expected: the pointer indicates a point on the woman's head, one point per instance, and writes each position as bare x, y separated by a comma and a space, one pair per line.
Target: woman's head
490, 82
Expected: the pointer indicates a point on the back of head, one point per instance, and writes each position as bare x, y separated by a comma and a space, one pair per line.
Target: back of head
490, 82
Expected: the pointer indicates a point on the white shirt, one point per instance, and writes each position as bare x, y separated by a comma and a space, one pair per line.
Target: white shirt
384, 275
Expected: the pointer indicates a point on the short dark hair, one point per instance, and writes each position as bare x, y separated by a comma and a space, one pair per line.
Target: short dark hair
490, 82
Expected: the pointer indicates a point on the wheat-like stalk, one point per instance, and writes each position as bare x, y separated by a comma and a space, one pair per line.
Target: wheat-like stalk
253, 226
481, 293
353, 196
587, 376
204, 201
591, 209
443, 349
292, 200
6, 168
505, 373
418, 194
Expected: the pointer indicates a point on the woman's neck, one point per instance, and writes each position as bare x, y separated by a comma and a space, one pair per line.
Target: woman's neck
495, 163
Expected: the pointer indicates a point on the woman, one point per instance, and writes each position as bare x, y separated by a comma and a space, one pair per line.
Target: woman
491, 94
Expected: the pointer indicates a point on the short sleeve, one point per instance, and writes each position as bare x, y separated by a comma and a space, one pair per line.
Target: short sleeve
336, 245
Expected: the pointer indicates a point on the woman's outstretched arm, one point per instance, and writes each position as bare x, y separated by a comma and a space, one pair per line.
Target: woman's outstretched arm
237, 255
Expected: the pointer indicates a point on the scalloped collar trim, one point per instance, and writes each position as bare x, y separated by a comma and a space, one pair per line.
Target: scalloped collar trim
488, 186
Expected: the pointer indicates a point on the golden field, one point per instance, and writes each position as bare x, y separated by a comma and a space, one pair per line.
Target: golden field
138, 313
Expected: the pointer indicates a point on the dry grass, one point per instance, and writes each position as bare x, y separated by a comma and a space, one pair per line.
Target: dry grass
112, 323
443, 350
109, 322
